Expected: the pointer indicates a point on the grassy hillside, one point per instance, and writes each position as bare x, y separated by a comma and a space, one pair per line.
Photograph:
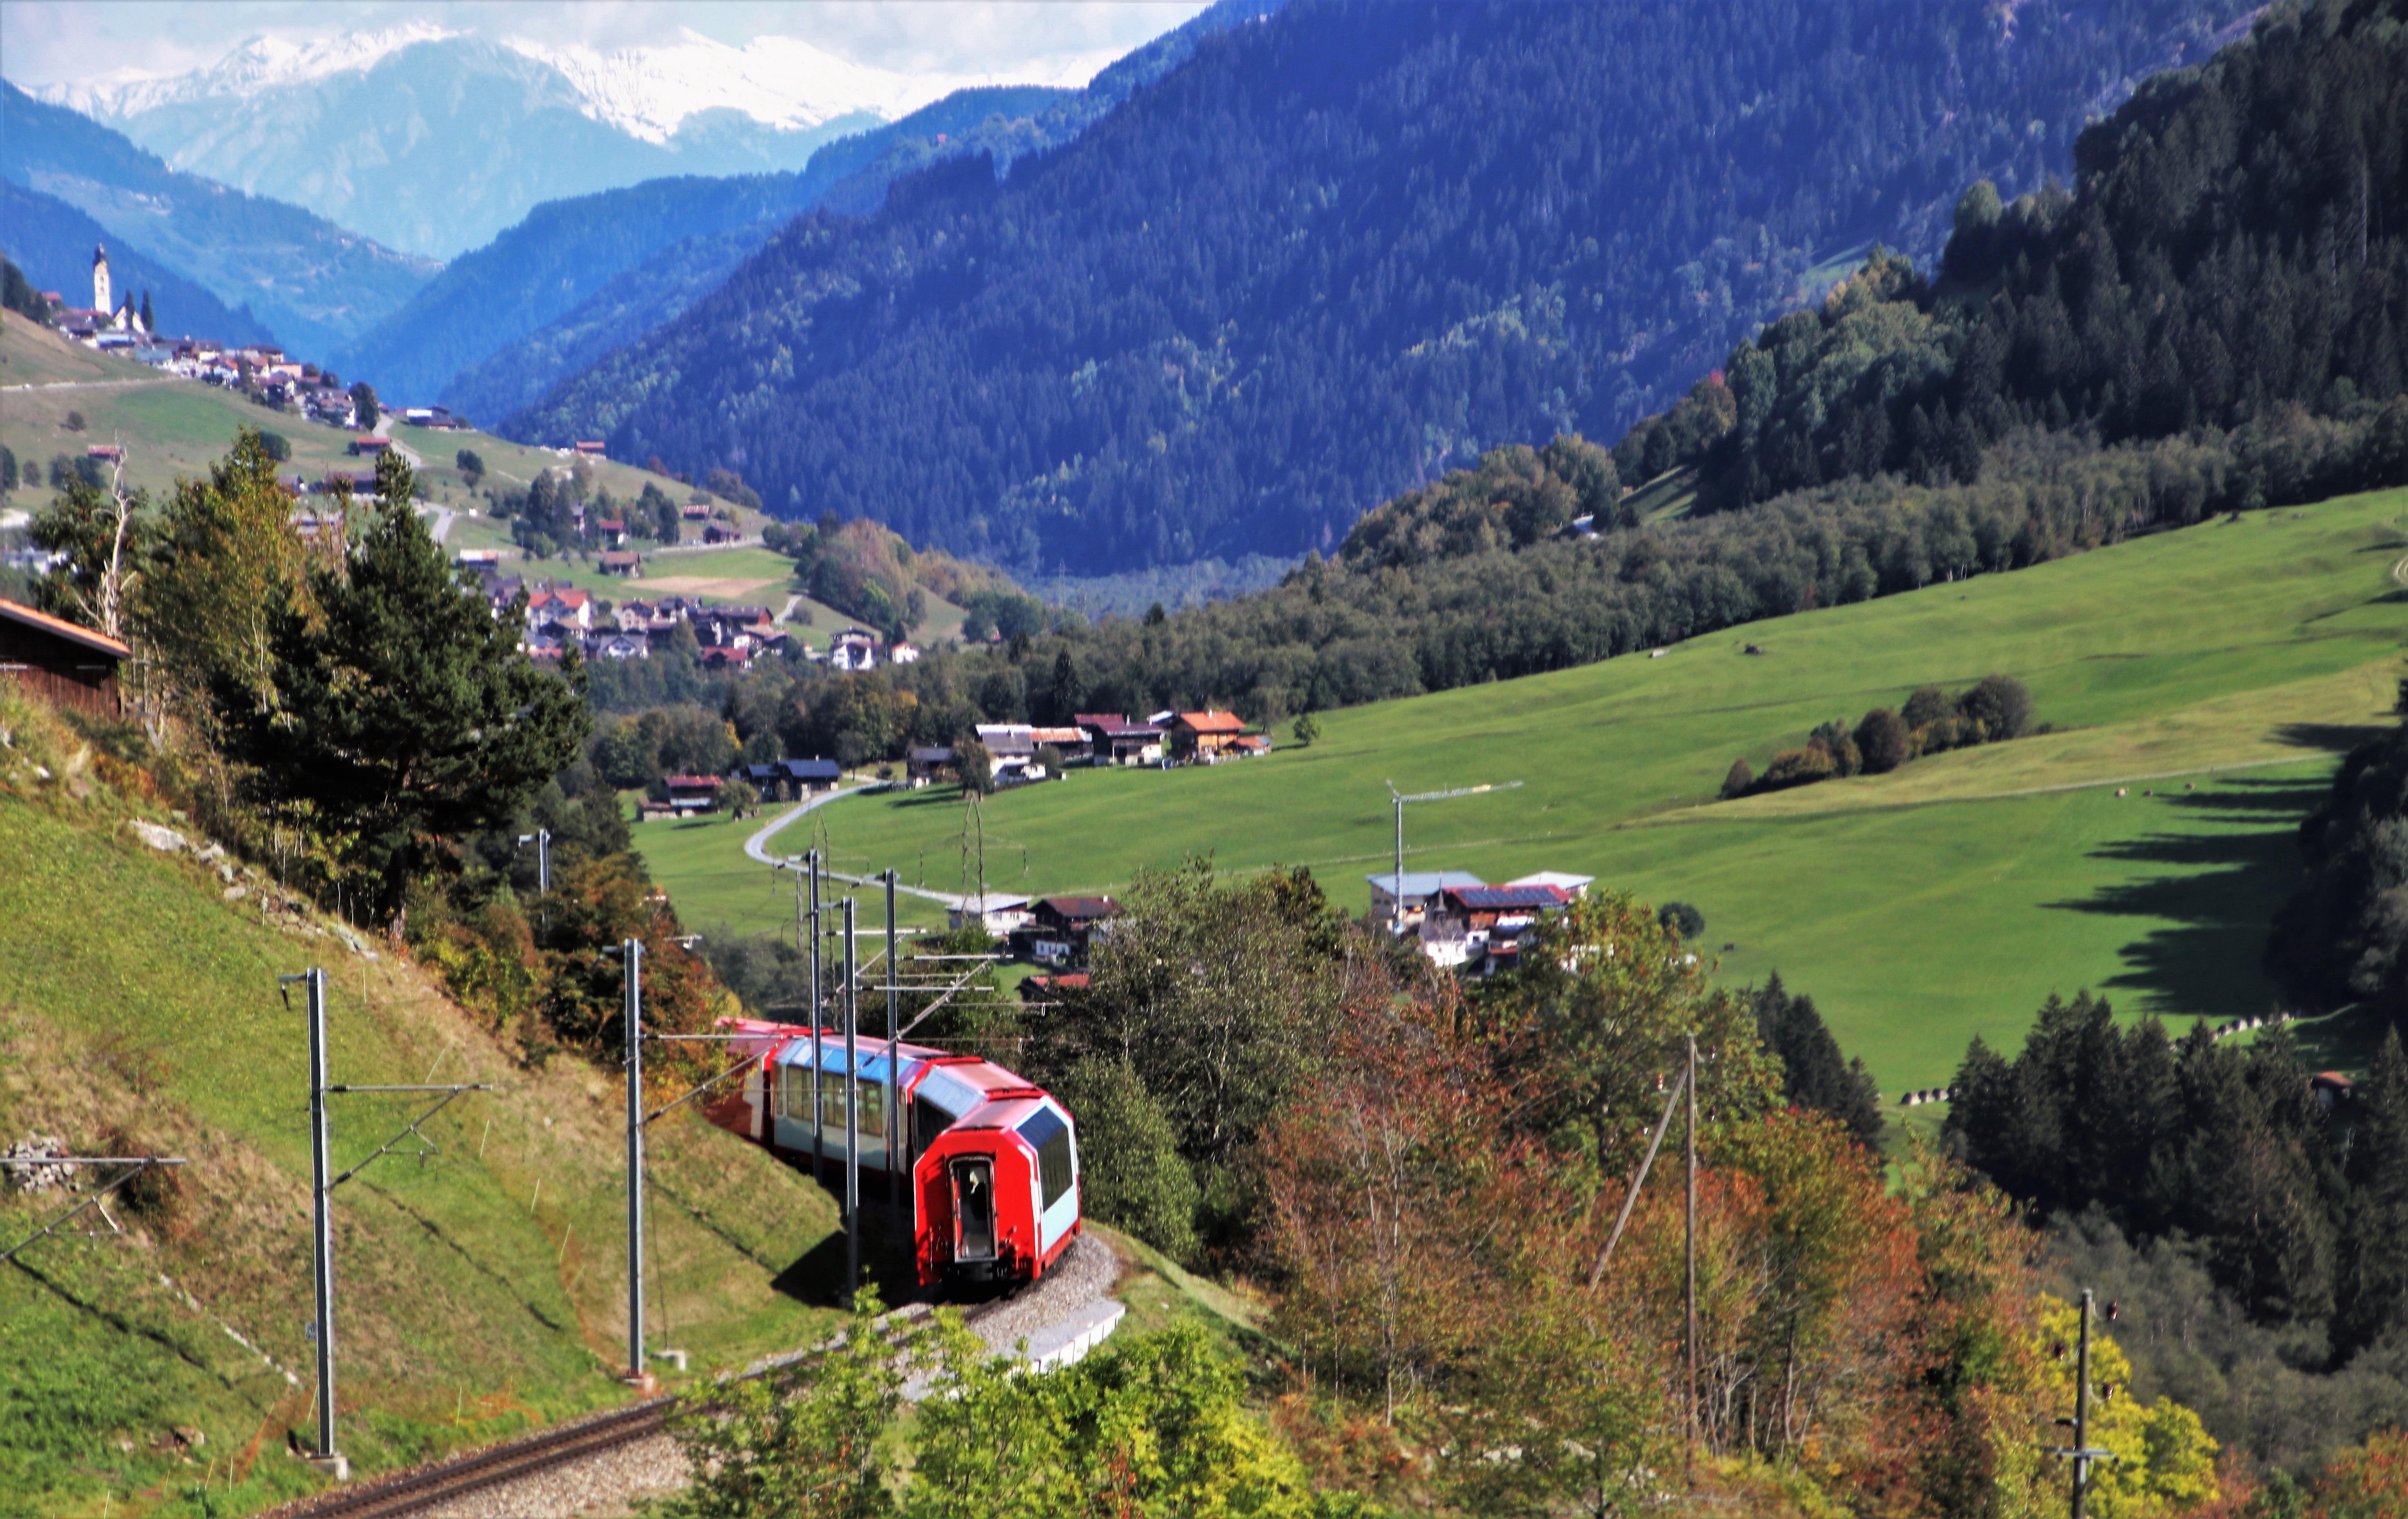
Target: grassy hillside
481, 1288
2211, 674
175, 427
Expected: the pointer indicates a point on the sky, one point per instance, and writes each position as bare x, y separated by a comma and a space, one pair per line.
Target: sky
1055, 41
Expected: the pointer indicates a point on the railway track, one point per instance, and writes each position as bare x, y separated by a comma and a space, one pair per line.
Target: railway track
430, 1486
439, 1483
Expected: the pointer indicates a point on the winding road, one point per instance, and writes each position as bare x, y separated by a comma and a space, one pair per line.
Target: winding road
757, 847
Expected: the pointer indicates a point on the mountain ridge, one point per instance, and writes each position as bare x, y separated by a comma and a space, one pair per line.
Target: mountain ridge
1335, 254
309, 281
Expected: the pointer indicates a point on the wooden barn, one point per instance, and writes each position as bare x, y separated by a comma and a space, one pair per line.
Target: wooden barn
73, 667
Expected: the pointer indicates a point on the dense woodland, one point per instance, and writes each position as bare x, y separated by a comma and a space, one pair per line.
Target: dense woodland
1341, 251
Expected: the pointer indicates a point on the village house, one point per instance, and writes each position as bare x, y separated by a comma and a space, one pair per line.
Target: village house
1201, 738
1062, 929
53, 658
996, 914
1417, 890
1072, 744
924, 764
1113, 740
792, 780
612, 531
1573, 887
369, 446
621, 561
1011, 750
690, 795
589, 448
574, 607
904, 653
853, 649
621, 645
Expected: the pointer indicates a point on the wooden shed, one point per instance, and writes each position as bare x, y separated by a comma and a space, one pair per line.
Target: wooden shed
73, 667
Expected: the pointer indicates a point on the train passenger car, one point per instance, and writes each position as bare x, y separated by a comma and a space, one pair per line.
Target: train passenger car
991, 1161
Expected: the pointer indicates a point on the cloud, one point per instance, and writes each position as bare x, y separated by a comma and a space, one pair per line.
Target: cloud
63, 42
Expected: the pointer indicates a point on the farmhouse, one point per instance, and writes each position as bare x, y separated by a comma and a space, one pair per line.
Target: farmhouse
1071, 743
1419, 889
1061, 929
792, 780
72, 667
621, 561
1201, 738
996, 914
923, 764
1113, 740
692, 793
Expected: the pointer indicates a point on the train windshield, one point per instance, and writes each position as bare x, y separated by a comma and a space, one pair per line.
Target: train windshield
974, 1209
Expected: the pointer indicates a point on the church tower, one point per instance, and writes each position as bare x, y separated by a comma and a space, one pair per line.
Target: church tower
100, 279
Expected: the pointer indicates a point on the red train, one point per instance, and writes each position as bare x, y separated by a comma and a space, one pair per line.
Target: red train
993, 1161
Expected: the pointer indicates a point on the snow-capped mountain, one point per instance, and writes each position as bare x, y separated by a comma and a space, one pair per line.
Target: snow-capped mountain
431, 141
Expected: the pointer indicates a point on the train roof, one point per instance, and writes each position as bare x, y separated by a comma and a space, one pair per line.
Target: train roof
959, 1083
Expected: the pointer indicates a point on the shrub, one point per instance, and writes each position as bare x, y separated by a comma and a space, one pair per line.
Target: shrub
2000, 704
1883, 741
1798, 767
1681, 918
1739, 780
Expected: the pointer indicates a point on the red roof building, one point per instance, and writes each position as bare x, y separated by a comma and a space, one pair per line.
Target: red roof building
55, 659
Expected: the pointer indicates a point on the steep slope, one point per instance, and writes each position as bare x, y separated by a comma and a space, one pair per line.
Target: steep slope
480, 1284
53, 242
567, 251
313, 283
1341, 250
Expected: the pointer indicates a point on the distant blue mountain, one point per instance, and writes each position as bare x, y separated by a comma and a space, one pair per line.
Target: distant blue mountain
567, 251
580, 278
312, 283
53, 242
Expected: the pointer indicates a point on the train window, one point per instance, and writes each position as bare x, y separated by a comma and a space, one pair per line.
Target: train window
1050, 1137
873, 1107
974, 1209
928, 1122
794, 1092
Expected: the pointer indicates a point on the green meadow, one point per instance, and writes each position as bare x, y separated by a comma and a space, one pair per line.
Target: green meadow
2211, 675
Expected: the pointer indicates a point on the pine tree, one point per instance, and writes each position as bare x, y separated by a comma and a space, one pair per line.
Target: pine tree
1070, 692
147, 326
401, 713
1814, 1075
2374, 1277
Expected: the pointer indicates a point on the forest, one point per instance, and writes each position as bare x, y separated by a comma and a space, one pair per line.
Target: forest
1338, 252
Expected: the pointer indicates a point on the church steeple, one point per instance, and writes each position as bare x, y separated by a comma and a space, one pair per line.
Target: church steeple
100, 278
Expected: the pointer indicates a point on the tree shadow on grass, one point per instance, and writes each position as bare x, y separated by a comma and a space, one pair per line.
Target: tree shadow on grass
2220, 890
817, 1276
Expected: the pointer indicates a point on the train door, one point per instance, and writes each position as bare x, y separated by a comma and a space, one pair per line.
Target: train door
974, 1208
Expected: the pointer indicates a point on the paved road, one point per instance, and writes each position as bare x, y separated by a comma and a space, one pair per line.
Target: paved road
758, 847
90, 384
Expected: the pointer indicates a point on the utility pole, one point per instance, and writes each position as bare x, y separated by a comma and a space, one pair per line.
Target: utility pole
541, 839
322, 1229
631, 959
2082, 1453
819, 1010
1690, 1226
895, 1129
322, 1185
1396, 882
851, 1121
2082, 1414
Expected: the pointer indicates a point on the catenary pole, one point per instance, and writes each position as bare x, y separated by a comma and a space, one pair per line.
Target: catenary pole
895, 1129
819, 1129
2082, 1414
632, 964
1690, 1228
851, 1120
322, 1222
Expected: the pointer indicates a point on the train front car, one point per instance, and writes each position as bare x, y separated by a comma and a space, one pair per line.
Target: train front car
991, 1161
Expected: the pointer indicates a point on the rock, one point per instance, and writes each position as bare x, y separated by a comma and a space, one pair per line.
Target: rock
158, 836
235, 894
21, 1164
